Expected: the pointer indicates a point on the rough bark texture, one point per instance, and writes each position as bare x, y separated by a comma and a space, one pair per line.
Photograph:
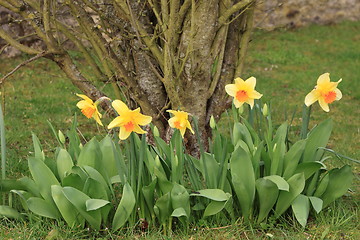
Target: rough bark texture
159, 54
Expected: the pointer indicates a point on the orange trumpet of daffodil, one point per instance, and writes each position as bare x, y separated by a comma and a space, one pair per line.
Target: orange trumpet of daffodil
243, 91
89, 108
180, 121
128, 120
325, 92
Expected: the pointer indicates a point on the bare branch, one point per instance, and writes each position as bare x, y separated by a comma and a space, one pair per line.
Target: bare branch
245, 40
40, 55
16, 44
236, 7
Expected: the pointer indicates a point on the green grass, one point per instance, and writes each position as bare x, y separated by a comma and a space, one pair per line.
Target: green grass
286, 65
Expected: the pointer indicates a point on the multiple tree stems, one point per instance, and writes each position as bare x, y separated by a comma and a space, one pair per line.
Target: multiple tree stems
161, 54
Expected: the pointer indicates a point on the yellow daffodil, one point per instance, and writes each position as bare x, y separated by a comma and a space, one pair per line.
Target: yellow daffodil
128, 120
325, 92
89, 108
180, 121
243, 91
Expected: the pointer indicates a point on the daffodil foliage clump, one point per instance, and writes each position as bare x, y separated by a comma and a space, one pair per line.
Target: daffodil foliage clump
122, 180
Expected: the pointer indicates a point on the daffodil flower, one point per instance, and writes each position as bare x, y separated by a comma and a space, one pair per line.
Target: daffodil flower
180, 121
128, 120
89, 108
243, 91
325, 92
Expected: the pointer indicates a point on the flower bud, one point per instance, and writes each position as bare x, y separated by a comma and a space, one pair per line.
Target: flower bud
265, 110
156, 132
241, 109
212, 122
61, 137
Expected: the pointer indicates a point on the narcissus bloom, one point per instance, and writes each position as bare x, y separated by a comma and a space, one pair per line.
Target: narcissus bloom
180, 121
243, 91
128, 120
325, 92
89, 108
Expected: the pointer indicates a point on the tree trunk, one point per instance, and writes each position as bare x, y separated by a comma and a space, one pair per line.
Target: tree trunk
159, 54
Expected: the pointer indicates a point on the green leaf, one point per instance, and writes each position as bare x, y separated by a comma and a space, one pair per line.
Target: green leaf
125, 208
42, 207
94, 189
39, 154
211, 170
6, 211
180, 198
67, 210
308, 168
94, 174
241, 132
43, 177
321, 188
280, 182
91, 155
73, 180
179, 212
8, 184
339, 182
277, 161
214, 207
243, 179
317, 203
78, 199
268, 193
108, 157
292, 158
318, 137
94, 204
64, 163
281, 133
212, 194
74, 141
30, 186
24, 196
162, 208
301, 209
148, 193
297, 184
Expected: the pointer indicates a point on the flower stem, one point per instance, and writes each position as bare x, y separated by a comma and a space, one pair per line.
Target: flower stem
305, 121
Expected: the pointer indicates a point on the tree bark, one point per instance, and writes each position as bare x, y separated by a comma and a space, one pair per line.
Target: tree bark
159, 54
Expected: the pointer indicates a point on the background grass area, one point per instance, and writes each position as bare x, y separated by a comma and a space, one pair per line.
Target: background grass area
286, 65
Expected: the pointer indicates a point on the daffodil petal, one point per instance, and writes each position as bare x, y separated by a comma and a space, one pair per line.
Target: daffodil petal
312, 97
324, 105
97, 117
123, 134
324, 78
239, 81
251, 82
138, 129
120, 107
86, 98
338, 94
231, 89
84, 104
117, 122
250, 102
142, 119
188, 125
237, 103
182, 131
171, 111
171, 122
255, 95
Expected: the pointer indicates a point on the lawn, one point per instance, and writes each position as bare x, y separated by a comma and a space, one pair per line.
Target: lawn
286, 64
